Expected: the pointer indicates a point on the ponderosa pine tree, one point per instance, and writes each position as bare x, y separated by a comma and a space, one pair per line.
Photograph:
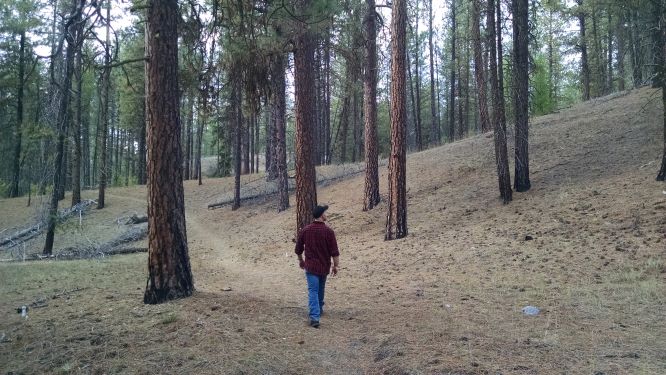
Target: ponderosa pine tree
73, 26
169, 272
371, 197
278, 109
479, 73
520, 93
304, 83
434, 115
499, 133
396, 218
104, 113
452, 81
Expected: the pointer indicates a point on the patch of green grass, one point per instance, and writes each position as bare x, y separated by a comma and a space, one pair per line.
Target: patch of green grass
170, 318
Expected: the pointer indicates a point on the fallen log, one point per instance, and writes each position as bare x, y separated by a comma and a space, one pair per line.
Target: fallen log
38, 228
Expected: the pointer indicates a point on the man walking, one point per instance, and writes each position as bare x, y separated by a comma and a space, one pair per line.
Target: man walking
318, 243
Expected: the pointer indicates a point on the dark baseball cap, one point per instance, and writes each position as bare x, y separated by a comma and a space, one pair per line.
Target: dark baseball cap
318, 211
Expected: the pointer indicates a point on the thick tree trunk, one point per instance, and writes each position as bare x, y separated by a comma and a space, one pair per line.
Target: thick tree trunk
306, 179
18, 133
434, 118
585, 67
520, 93
371, 196
396, 218
452, 82
478, 67
73, 26
169, 272
499, 134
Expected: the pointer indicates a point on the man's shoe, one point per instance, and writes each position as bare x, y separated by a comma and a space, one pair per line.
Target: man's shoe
314, 323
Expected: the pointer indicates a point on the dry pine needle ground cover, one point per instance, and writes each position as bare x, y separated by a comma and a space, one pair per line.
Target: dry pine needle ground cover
587, 245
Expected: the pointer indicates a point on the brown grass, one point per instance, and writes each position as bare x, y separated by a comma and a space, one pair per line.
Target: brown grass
446, 299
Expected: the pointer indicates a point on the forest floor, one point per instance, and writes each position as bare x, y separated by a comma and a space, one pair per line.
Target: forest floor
587, 245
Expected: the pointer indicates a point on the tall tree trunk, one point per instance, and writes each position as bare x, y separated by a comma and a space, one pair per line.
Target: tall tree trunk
344, 119
169, 272
306, 179
16, 166
520, 93
251, 125
72, 27
609, 50
78, 124
417, 81
585, 67
434, 118
418, 139
188, 136
636, 50
327, 100
396, 218
245, 127
478, 67
358, 127
278, 107
621, 37
499, 134
371, 196
662, 172
466, 69
599, 56
551, 60
238, 138
500, 69
656, 35
452, 83
104, 112
142, 177
202, 123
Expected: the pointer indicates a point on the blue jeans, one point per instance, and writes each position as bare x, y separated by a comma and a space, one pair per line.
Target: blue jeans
316, 286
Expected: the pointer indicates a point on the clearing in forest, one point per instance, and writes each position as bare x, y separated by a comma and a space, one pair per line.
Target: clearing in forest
587, 245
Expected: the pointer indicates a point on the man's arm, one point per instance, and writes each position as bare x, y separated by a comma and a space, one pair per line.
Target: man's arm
334, 252
300, 247
334, 271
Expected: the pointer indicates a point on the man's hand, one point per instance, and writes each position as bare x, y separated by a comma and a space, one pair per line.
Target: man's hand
301, 263
334, 271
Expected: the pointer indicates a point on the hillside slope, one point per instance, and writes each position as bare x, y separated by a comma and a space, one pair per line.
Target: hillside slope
587, 245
